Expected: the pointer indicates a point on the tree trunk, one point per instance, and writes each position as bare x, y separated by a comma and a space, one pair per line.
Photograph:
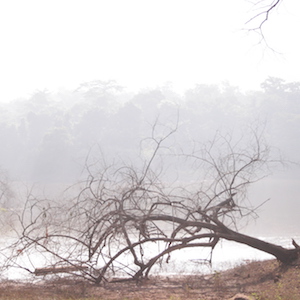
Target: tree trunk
282, 254
220, 230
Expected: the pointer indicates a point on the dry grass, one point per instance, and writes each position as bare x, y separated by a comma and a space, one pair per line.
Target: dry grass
260, 280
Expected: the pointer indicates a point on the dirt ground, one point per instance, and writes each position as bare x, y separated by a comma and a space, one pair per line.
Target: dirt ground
266, 280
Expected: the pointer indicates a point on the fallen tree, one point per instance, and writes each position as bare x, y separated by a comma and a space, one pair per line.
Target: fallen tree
126, 220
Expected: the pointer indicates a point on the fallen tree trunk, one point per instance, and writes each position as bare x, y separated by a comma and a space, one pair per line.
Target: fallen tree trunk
219, 230
56, 270
284, 255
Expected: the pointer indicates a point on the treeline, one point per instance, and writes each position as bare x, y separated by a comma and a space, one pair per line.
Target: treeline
48, 136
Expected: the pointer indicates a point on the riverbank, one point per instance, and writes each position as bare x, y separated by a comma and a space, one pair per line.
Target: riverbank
261, 280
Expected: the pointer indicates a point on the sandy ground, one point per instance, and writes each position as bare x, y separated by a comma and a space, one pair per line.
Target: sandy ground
264, 280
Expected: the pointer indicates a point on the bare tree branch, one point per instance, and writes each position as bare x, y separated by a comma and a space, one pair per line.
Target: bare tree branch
263, 9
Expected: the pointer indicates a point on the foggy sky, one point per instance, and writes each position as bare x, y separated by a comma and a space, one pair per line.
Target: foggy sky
53, 44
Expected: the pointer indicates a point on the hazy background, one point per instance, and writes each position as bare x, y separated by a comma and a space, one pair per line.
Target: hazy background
82, 75
139, 43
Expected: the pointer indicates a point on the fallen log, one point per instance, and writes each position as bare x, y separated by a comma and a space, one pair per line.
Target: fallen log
55, 270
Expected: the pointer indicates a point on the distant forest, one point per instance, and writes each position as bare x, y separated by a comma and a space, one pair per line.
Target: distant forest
48, 136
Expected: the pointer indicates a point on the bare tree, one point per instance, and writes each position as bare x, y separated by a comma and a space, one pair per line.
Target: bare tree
125, 220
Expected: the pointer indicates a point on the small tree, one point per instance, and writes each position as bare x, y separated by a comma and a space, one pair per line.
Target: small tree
126, 219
